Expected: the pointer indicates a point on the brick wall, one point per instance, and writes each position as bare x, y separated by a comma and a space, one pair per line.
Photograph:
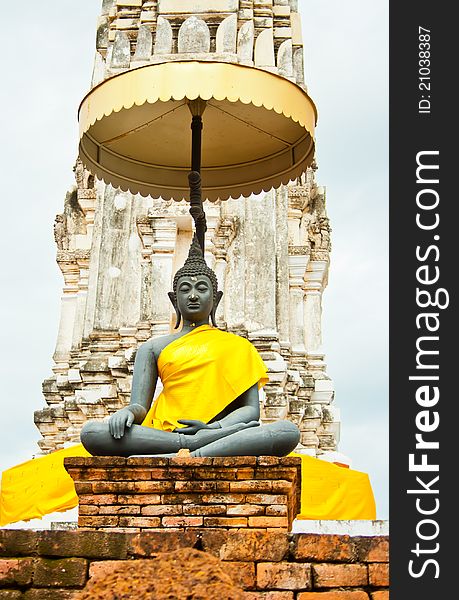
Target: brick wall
51, 565
138, 493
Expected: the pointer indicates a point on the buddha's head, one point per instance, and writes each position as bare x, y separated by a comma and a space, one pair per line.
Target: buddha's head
195, 296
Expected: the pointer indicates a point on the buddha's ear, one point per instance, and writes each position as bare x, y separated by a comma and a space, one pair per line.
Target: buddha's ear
214, 308
173, 299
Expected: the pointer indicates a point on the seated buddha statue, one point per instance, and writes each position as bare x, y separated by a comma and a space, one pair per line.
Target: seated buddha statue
209, 403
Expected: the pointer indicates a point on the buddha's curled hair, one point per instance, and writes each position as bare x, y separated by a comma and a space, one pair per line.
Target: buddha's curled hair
196, 265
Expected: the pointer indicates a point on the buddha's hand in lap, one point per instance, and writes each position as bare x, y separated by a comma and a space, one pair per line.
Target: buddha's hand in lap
118, 422
192, 426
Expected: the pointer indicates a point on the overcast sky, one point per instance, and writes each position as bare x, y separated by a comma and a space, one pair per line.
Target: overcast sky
47, 71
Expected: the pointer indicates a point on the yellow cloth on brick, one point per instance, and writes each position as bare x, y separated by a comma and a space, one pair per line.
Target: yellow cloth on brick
332, 492
202, 372
38, 487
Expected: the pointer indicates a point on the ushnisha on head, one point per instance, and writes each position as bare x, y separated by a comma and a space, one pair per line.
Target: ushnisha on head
195, 269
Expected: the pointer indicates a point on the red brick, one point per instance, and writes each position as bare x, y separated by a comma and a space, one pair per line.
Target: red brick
17, 571
151, 487
18, 542
242, 573
162, 509
245, 473
160, 473
98, 499
149, 543
251, 486
181, 499
222, 486
195, 486
268, 522
60, 572
378, 574
225, 522
268, 596
223, 498
141, 499
234, 461
282, 575
179, 474
246, 509
213, 540
380, 595
139, 522
81, 543
268, 461
182, 521
88, 509
191, 461
223, 474
97, 521
287, 474
163, 529
318, 548
11, 595
48, 594
204, 510
119, 509
334, 595
249, 545
283, 487
91, 474
129, 474
327, 575
150, 462
101, 567
373, 549
120, 530
293, 461
95, 461
266, 499
277, 510
113, 487
83, 487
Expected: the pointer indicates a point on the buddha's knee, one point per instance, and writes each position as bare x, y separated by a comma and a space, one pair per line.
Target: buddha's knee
92, 434
286, 436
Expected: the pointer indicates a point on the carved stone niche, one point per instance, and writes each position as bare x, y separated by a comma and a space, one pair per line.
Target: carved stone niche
194, 7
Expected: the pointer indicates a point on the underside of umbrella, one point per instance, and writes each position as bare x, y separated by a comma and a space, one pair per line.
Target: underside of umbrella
258, 129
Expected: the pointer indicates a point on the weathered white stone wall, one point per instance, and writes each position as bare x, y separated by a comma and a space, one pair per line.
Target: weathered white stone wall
261, 33
118, 253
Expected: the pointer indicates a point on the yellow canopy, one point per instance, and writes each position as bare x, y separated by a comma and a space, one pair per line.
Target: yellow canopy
258, 129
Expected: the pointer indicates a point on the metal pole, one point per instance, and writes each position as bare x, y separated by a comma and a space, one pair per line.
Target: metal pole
196, 137
196, 210
197, 107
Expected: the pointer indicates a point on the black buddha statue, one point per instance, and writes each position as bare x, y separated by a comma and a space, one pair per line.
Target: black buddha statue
209, 403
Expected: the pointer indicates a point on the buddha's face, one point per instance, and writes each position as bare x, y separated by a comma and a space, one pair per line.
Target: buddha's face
195, 297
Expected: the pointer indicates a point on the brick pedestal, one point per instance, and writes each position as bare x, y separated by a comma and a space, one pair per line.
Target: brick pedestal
147, 493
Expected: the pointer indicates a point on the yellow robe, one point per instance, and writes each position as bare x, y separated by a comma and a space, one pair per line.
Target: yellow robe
202, 372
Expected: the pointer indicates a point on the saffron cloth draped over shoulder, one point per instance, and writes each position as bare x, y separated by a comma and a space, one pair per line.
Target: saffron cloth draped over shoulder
202, 373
